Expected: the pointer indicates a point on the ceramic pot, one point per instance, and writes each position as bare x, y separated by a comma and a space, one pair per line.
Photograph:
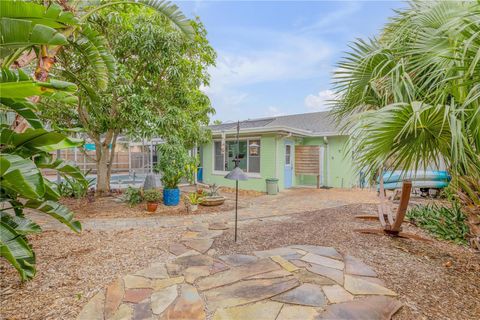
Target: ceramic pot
171, 197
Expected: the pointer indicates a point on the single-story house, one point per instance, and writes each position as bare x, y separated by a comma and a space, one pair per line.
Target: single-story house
298, 150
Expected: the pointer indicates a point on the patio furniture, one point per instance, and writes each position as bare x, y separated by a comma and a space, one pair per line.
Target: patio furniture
391, 225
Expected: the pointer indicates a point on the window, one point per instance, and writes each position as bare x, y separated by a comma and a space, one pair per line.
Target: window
219, 160
288, 155
254, 155
248, 152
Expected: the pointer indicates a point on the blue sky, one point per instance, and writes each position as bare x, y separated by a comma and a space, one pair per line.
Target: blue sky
277, 57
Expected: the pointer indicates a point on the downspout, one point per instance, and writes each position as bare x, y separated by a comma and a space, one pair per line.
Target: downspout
327, 157
275, 158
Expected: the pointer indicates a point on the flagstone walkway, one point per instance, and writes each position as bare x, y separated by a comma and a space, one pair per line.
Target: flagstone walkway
294, 282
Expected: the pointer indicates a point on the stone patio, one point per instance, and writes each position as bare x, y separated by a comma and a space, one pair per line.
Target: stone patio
294, 282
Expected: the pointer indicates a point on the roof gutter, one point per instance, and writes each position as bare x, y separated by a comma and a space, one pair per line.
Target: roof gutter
289, 130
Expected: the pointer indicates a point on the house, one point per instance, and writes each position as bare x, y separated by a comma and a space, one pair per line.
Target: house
299, 150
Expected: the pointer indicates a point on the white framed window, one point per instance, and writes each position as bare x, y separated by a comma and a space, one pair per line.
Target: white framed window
248, 150
288, 155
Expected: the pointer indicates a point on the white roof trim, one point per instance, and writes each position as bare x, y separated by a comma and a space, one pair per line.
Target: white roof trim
279, 128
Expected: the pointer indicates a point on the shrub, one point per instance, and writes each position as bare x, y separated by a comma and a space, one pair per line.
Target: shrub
443, 222
174, 163
72, 188
132, 196
152, 195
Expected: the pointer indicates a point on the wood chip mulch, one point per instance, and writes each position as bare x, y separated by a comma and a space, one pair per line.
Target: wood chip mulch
71, 268
434, 280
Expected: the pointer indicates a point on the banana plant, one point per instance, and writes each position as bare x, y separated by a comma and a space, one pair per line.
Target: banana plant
46, 29
22, 157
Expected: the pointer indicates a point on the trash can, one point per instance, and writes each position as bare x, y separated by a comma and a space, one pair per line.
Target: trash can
272, 186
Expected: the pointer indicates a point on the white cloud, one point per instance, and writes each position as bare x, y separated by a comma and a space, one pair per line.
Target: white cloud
281, 57
330, 22
320, 101
274, 112
289, 57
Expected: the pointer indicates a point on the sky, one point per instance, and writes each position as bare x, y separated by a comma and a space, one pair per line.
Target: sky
277, 57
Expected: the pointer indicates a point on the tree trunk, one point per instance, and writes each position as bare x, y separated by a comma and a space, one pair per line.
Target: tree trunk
105, 153
103, 164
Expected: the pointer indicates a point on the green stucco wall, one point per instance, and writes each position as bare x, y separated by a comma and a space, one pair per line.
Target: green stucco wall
337, 166
267, 166
340, 164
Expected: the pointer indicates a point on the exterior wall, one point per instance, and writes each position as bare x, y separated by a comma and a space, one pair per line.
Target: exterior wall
268, 168
337, 164
339, 168
305, 180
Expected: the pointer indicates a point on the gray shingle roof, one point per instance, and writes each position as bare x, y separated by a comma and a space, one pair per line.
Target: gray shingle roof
315, 122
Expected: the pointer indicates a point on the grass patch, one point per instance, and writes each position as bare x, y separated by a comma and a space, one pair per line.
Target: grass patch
443, 222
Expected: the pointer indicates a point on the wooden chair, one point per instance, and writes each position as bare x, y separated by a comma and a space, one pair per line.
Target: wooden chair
392, 225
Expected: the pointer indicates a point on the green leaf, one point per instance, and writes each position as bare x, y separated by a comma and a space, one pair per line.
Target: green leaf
51, 191
21, 224
165, 8
21, 176
17, 251
94, 47
52, 16
19, 85
24, 108
38, 139
57, 211
65, 168
23, 33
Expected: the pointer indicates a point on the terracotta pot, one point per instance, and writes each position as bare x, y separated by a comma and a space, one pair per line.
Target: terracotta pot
152, 206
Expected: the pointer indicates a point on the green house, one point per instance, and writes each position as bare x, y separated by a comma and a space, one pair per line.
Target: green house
298, 150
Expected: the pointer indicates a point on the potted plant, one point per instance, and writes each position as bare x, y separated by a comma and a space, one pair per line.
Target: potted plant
174, 164
213, 198
193, 200
152, 197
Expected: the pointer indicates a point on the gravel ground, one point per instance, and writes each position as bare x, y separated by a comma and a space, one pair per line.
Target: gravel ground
73, 267
416, 270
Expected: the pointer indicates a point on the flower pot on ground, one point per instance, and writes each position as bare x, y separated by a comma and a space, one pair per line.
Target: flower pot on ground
152, 197
213, 198
152, 206
174, 164
193, 200
171, 197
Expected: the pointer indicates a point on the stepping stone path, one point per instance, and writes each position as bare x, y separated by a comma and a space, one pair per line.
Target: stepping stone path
295, 282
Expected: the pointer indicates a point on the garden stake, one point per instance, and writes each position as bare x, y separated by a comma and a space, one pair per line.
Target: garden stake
237, 174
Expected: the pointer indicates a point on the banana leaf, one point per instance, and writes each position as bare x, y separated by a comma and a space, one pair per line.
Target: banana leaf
21, 176
17, 251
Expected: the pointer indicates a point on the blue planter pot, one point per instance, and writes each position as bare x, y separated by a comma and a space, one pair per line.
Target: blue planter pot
171, 197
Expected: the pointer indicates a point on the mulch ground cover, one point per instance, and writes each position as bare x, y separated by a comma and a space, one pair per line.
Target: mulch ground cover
71, 268
113, 207
434, 280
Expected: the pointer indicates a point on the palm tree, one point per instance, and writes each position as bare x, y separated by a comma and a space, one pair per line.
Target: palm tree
412, 97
